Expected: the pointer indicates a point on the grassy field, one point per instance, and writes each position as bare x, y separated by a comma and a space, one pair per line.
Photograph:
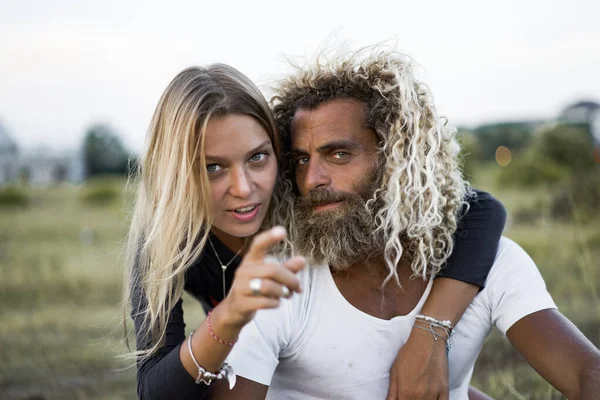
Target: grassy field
567, 254
60, 275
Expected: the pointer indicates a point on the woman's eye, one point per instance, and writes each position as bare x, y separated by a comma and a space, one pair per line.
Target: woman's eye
212, 168
258, 157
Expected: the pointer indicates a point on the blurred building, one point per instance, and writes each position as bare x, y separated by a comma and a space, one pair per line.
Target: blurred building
39, 167
44, 167
9, 154
584, 112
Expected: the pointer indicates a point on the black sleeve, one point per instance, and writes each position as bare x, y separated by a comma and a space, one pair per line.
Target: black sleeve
162, 376
476, 240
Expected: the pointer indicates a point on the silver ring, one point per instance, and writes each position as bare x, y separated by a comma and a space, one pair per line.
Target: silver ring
286, 293
255, 285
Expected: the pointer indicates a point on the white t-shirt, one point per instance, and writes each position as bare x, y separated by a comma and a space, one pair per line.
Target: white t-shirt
318, 346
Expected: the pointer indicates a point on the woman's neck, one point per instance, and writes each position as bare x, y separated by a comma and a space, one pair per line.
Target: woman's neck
233, 243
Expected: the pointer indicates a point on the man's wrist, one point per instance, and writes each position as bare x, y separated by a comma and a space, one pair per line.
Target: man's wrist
436, 335
425, 336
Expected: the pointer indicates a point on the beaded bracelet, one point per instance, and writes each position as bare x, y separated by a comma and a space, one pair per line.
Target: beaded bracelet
431, 325
445, 324
226, 343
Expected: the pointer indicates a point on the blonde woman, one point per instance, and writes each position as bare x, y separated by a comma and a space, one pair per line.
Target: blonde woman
206, 184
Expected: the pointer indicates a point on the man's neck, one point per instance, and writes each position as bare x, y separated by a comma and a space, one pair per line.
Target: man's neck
361, 285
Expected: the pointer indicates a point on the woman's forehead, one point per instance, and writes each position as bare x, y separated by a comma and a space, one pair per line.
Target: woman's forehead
234, 134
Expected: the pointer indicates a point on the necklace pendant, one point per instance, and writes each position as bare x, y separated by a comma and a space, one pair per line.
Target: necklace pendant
224, 267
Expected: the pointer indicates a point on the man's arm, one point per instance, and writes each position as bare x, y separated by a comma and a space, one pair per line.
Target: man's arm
421, 367
559, 352
476, 394
244, 389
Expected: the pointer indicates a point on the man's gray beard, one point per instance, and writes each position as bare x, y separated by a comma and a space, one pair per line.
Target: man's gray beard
338, 237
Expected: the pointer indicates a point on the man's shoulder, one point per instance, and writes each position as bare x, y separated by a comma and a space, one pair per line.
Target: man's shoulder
509, 251
515, 287
511, 262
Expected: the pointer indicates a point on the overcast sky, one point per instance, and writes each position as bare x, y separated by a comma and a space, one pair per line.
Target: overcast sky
65, 64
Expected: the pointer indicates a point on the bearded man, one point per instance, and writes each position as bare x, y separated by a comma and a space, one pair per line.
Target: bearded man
379, 192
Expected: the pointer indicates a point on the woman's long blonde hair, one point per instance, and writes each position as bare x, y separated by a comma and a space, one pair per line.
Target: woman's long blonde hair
422, 190
171, 216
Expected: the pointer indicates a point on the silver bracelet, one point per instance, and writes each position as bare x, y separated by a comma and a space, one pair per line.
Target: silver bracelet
435, 336
207, 377
445, 324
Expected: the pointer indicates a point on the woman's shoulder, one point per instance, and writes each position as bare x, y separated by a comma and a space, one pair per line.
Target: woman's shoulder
481, 202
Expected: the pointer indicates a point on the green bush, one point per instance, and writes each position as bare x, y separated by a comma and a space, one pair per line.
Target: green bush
532, 169
100, 193
580, 198
514, 135
568, 146
13, 197
556, 155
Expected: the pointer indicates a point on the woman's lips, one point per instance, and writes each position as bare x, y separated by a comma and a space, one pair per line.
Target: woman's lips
245, 216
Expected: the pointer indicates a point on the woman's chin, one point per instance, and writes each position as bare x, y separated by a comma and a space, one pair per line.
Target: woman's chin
241, 231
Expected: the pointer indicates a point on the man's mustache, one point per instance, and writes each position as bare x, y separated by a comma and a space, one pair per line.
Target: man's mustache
322, 196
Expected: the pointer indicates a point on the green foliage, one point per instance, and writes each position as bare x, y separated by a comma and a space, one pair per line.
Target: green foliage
514, 135
13, 197
580, 198
100, 192
568, 146
555, 156
104, 152
531, 169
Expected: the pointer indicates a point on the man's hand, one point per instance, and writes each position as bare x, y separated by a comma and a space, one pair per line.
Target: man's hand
420, 370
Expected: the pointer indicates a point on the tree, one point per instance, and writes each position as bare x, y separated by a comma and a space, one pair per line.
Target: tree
104, 153
570, 146
514, 135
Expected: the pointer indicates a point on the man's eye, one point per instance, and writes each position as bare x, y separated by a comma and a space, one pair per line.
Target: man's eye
340, 154
258, 157
212, 168
302, 160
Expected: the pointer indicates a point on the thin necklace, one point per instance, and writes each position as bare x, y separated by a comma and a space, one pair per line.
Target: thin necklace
224, 266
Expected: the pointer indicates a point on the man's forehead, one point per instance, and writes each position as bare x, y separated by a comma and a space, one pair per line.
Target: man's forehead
347, 112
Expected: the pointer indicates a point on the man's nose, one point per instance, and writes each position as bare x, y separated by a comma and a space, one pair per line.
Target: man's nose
316, 177
241, 184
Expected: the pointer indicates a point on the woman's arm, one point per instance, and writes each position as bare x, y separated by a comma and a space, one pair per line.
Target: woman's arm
171, 372
421, 367
476, 241
162, 375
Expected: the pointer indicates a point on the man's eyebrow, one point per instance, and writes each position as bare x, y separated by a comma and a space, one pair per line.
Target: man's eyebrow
337, 144
248, 153
298, 152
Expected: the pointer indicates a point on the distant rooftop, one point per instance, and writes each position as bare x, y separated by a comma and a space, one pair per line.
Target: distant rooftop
591, 105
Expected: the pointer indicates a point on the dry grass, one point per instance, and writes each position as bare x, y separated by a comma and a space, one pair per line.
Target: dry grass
60, 266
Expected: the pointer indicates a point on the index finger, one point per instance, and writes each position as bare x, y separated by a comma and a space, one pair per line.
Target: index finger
265, 241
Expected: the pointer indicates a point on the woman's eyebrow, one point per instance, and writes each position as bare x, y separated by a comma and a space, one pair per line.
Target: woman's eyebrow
249, 153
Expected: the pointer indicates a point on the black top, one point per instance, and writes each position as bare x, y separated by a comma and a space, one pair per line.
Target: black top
163, 377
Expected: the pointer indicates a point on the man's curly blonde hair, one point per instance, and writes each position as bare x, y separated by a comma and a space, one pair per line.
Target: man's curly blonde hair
422, 190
